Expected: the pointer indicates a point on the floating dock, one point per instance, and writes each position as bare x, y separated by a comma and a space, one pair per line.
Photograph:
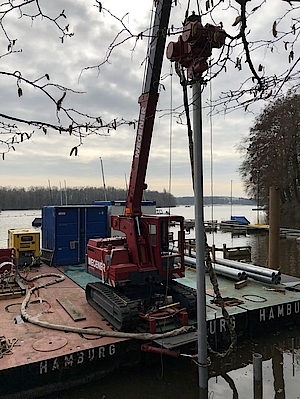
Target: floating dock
254, 309
35, 360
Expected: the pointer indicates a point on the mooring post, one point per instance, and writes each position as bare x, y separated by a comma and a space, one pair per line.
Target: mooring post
274, 227
257, 376
293, 355
213, 253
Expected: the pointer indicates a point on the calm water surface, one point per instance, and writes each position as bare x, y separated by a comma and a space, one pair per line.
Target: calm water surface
15, 220
165, 378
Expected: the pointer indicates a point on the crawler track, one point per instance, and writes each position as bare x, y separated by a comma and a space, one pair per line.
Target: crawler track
187, 297
122, 312
119, 310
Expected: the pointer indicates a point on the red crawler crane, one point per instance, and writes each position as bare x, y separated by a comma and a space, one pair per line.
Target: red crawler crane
137, 270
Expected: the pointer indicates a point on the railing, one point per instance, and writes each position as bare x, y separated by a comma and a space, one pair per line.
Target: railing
234, 253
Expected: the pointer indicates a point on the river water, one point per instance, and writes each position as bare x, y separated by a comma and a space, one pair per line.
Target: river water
169, 378
15, 220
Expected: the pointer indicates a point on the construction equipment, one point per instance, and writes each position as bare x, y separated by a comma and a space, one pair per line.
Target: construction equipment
27, 246
137, 271
7, 259
10, 281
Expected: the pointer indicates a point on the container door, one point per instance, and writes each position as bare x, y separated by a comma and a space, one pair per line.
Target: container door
67, 236
48, 227
94, 224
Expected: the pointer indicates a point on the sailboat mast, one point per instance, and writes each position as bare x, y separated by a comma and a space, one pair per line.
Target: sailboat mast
103, 179
230, 198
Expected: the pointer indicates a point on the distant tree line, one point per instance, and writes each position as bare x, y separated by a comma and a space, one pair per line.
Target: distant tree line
216, 200
37, 197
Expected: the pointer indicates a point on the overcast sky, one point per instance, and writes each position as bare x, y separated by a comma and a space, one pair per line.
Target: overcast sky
113, 92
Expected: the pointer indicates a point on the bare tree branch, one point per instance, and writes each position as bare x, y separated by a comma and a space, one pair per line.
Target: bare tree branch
243, 48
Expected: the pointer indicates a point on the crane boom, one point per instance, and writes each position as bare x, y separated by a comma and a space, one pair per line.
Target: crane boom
148, 102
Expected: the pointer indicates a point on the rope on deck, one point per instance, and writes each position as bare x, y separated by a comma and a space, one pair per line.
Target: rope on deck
6, 345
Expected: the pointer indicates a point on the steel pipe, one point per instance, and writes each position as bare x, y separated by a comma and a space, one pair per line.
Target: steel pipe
234, 274
220, 270
249, 268
264, 279
240, 271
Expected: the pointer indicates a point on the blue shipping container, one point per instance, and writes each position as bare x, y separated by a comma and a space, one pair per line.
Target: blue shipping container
67, 229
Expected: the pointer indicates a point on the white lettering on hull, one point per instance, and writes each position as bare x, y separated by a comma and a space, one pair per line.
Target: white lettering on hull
69, 361
279, 311
219, 325
271, 313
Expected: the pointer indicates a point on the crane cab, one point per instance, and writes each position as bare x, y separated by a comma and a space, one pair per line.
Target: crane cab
161, 232
117, 262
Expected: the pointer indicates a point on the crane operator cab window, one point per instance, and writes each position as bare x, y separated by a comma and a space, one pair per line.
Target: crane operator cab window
152, 233
169, 258
164, 237
159, 236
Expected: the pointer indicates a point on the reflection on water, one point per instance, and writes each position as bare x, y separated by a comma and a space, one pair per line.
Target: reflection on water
166, 378
279, 369
289, 253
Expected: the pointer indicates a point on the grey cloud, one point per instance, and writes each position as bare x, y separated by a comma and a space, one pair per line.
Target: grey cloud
111, 93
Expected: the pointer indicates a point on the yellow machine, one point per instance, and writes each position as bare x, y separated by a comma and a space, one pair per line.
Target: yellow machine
27, 245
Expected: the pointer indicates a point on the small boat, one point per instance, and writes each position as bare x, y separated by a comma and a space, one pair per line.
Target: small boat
235, 221
160, 211
37, 222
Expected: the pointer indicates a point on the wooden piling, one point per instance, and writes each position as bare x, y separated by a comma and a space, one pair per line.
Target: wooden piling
274, 227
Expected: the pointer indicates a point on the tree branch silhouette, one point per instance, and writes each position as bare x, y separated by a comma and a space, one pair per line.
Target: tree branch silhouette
255, 84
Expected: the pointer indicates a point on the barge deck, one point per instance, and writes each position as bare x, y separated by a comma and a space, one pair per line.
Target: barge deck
36, 361
39, 360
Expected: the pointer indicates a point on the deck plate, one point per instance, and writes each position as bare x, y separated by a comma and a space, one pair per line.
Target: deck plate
177, 341
50, 344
